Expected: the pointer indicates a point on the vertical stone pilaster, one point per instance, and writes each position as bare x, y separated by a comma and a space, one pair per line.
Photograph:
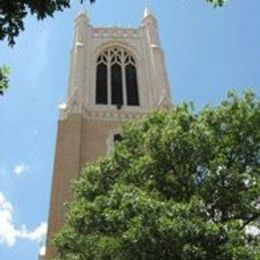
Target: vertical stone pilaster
66, 168
78, 57
161, 92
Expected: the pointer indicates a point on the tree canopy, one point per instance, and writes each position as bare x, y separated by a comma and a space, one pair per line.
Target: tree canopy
178, 185
4, 72
14, 12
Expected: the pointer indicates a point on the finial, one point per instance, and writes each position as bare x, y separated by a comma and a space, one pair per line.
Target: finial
148, 16
82, 16
147, 10
82, 11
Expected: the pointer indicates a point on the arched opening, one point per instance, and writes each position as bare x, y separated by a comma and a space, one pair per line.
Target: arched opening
117, 138
116, 78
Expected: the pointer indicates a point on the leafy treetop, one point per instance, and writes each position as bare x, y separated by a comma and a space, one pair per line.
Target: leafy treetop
179, 185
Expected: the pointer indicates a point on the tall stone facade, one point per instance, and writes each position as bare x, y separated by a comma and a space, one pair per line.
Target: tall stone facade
116, 74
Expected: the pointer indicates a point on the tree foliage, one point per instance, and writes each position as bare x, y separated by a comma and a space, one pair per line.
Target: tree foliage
4, 73
179, 185
216, 3
13, 14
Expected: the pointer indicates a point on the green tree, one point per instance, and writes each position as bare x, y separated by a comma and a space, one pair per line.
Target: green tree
217, 3
13, 14
179, 185
4, 73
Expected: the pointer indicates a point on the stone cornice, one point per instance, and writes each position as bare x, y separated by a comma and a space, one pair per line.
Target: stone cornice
99, 115
112, 115
115, 32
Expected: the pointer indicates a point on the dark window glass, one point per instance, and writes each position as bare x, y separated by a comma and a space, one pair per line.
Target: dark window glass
116, 84
131, 86
104, 58
113, 59
101, 84
117, 138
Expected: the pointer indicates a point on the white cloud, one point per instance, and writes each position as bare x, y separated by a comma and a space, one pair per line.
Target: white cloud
36, 235
21, 168
7, 230
9, 233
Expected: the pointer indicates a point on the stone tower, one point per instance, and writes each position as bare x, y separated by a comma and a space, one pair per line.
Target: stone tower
116, 74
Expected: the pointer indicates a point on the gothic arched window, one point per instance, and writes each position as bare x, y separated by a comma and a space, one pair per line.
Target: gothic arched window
116, 78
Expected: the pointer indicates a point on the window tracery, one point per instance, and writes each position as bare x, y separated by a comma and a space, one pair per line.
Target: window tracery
116, 78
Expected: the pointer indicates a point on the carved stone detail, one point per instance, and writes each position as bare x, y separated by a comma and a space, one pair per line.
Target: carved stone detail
115, 32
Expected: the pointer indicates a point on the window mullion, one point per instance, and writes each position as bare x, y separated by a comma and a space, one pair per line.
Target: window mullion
124, 84
109, 82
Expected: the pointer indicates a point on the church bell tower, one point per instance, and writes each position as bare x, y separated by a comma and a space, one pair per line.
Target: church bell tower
116, 74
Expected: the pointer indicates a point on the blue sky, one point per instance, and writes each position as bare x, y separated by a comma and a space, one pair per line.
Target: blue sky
207, 51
